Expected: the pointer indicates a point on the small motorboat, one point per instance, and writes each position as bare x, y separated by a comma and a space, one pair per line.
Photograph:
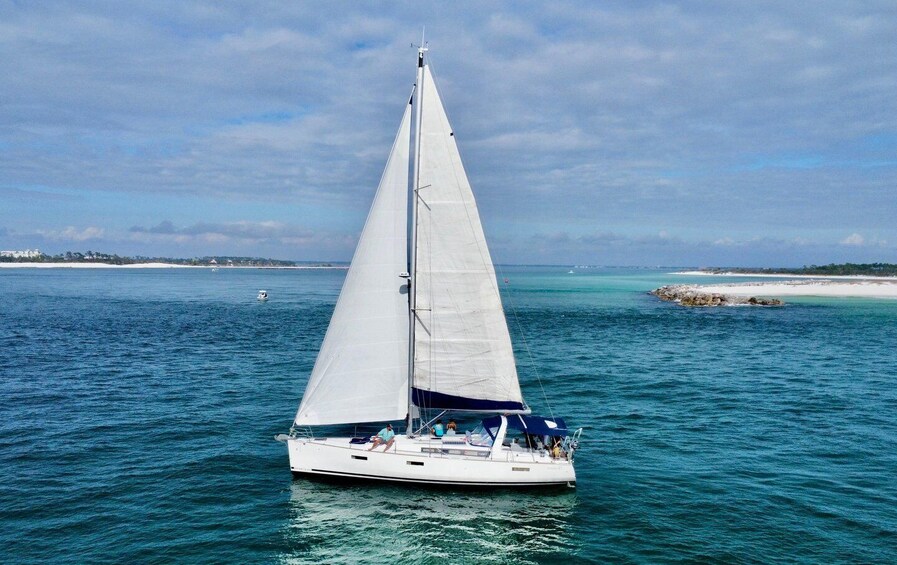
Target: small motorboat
263, 295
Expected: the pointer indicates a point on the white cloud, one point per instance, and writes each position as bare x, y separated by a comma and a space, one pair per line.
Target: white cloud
72, 233
853, 239
220, 232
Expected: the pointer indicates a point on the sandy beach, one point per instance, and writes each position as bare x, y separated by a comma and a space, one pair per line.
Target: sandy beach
799, 285
878, 288
785, 276
97, 266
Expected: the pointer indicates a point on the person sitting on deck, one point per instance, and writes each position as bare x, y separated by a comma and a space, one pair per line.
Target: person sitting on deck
451, 429
437, 429
556, 450
386, 435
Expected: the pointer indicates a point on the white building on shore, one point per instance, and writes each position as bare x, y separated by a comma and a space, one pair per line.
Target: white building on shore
27, 254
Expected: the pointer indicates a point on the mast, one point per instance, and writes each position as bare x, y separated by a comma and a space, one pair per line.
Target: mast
412, 279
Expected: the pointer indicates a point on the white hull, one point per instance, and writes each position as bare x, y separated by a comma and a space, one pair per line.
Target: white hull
428, 461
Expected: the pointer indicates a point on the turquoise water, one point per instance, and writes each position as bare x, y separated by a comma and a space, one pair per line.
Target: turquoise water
139, 406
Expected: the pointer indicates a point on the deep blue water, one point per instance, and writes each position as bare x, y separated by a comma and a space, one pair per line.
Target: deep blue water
138, 407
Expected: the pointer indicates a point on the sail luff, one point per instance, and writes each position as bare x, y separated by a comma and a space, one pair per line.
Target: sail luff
412, 251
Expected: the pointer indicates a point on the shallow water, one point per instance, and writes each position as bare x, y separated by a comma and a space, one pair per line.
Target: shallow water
139, 406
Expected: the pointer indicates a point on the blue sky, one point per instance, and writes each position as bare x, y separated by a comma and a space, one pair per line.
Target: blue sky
616, 133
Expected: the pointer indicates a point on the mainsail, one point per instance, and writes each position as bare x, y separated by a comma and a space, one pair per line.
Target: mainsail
463, 354
361, 373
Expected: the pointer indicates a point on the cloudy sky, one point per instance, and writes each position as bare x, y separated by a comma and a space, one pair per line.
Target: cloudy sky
611, 133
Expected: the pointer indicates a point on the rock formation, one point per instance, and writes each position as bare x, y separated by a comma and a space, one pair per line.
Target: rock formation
690, 295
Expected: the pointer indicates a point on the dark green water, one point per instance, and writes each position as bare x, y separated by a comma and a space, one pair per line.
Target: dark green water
137, 411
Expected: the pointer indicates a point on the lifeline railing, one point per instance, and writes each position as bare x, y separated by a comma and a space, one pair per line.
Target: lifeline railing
571, 443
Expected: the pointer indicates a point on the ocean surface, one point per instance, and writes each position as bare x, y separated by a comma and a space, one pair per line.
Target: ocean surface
138, 410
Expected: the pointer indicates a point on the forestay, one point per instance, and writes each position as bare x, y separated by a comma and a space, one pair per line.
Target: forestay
361, 373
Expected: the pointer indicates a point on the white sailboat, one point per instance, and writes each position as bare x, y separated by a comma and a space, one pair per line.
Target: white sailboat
419, 332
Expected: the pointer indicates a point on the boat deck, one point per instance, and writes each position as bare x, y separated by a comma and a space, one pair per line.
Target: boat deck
449, 447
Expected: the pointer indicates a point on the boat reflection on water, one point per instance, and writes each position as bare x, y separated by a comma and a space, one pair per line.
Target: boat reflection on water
347, 523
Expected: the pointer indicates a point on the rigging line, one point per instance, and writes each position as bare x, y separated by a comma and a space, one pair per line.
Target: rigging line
526, 344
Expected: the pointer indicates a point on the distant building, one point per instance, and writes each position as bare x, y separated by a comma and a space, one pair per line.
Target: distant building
27, 254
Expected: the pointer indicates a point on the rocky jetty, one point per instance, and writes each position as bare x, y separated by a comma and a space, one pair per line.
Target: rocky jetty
691, 295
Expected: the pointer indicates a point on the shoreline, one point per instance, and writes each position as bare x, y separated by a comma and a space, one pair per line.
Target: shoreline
785, 276
154, 266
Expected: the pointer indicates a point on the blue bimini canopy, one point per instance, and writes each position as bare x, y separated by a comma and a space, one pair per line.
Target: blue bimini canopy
535, 425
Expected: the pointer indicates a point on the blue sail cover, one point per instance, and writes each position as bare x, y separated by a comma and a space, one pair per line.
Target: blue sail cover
535, 425
440, 401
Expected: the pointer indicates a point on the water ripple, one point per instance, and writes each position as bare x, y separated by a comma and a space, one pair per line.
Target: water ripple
138, 410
